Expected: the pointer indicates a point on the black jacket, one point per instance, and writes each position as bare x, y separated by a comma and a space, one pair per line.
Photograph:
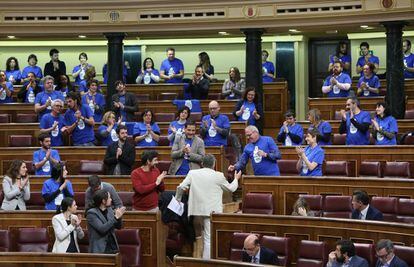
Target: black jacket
50, 70
372, 214
199, 90
130, 107
126, 160
267, 256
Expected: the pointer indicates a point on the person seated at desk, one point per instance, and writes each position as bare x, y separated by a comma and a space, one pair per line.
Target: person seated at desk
107, 131
64, 85
361, 209
6, 89
32, 60
338, 84
234, 86
29, 90
386, 256
187, 152
13, 73
291, 133
255, 253
45, 158
172, 68
57, 188
344, 255
249, 108
124, 104
199, 85
311, 158
384, 126
341, 55
268, 69
366, 57
369, 83
52, 123
215, 127
148, 74
324, 127
67, 228
16, 186
43, 100
147, 132
177, 127
94, 99
301, 208
355, 123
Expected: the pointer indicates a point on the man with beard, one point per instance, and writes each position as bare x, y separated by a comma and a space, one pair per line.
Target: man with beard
54, 67
45, 158
53, 122
29, 90
123, 103
344, 255
341, 55
355, 123
120, 156
199, 85
6, 89
366, 57
79, 121
43, 101
408, 59
337, 84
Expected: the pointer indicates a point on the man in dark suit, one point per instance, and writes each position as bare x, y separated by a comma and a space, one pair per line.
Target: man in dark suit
199, 85
54, 67
123, 103
362, 210
386, 256
344, 255
120, 156
253, 252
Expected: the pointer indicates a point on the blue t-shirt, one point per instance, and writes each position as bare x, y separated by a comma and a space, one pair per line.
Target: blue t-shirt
361, 62
172, 67
324, 128
42, 97
55, 135
39, 155
35, 69
409, 62
213, 138
261, 166
185, 165
3, 95
344, 59
30, 95
247, 114
112, 136
388, 124
336, 92
99, 100
83, 132
193, 105
140, 129
16, 74
147, 79
81, 75
179, 130
50, 186
372, 82
268, 67
295, 129
317, 155
355, 136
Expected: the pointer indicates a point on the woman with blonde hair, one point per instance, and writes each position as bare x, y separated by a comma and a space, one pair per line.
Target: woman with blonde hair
301, 208
324, 127
107, 131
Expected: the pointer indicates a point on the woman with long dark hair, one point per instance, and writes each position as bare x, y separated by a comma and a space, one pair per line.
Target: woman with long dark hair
16, 186
384, 126
148, 74
13, 73
147, 132
233, 87
249, 108
205, 63
57, 187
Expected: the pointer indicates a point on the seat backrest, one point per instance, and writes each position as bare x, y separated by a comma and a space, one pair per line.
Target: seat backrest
196, 116
88, 167
142, 97
336, 168
312, 254
36, 201
129, 246
287, 167
164, 117
163, 141
32, 240
258, 203
214, 96
405, 210
337, 207
405, 253
388, 207
337, 115
164, 165
280, 245
366, 251
167, 96
339, 139
236, 246
20, 140
126, 198
409, 114
30, 167
26, 118
397, 169
4, 118
230, 115
370, 169
315, 203
79, 198
4, 241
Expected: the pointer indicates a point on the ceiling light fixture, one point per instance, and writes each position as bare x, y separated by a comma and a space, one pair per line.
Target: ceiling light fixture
293, 30
11, 36
82, 36
223, 33
364, 26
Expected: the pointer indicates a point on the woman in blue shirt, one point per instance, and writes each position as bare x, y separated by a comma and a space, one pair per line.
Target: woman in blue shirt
324, 128
369, 83
148, 74
56, 188
249, 108
384, 126
107, 131
177, 127
13, 73
32, 60
147, 132
311, 157
95, 100
78, 72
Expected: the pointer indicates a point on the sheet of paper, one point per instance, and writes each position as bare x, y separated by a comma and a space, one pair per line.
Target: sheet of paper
176, 207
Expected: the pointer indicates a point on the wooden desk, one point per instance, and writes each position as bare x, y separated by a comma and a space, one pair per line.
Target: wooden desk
193, 262
286, 190
303, 228
73, 155
17, 259
152, 230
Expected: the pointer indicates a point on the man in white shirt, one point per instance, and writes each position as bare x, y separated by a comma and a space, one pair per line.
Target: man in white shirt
205, 196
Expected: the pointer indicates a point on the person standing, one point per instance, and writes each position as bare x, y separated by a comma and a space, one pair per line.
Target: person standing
46, 157
95, 184
54, 67
57, 188
408, 59
366, 57
355, 123
16, 186
384, 126
172, 68
268, 69
6, 89
338, 83
291, 133
53, 122
43, 100
124, 104
311, 158
369, 84
341, 55
29, 90
215, 127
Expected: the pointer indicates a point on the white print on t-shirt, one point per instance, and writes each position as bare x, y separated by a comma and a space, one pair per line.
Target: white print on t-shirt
171, 71
264, 70
256, 157
31, 97
81, 124
246, 114
92, 106
288, 141
50, 106
336, 90
147, 78
366, 93
212, 132
46, 166
3, 94
179, 132
55, 132
380, 136
58, 199
114, 136
188, 104
304, 168
352, 128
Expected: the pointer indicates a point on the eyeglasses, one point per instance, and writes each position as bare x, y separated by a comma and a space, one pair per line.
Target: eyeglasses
383, 256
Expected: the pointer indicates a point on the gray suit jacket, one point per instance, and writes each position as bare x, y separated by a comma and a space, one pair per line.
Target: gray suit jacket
100, 228
177, 155
13, 197
116, 200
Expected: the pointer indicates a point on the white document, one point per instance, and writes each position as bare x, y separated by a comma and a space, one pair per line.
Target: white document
176, 207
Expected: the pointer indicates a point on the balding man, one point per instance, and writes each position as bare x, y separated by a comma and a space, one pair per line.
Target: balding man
253, 252
215, 127
262, 151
